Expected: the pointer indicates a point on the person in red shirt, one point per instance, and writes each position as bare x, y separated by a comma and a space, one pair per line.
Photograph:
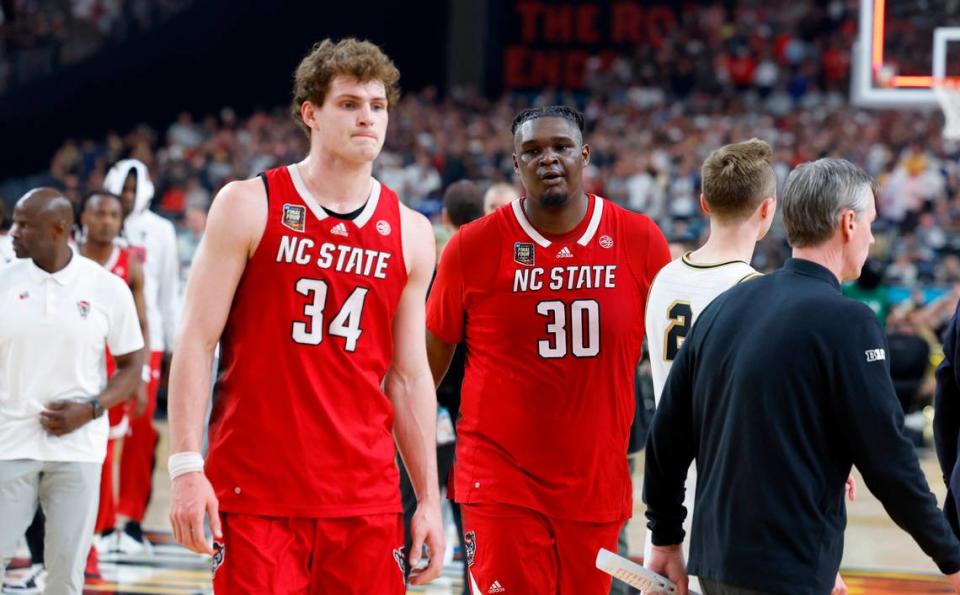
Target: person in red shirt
101, 218
548, 294
312, 277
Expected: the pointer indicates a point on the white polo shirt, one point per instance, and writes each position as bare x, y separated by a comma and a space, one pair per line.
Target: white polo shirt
53, 330
7, 254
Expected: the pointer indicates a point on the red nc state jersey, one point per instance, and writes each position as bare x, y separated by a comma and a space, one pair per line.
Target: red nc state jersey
119, 263
553, 327
300, 424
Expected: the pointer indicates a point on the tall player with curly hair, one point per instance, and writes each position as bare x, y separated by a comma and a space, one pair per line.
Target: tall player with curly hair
312, 277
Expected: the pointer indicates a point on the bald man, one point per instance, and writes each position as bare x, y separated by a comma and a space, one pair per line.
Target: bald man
57, 311
498, 195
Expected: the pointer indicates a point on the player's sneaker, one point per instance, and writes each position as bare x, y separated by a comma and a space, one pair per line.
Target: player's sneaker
33, 581
19, 562
21, 557
107, 544
130, 546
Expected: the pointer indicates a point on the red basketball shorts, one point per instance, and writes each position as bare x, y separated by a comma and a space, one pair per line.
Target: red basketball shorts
510, 549
295, 555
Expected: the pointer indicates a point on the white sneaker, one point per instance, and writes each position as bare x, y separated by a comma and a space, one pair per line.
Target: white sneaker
107, 544
131, 547
33, 581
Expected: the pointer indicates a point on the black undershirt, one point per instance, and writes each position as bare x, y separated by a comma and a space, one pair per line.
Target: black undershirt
348, 216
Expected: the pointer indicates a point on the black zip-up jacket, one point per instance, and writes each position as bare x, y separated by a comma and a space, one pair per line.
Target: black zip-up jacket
781, 386
946, 419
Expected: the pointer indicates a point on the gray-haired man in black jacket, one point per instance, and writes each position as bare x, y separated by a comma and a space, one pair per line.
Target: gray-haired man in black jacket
779, 388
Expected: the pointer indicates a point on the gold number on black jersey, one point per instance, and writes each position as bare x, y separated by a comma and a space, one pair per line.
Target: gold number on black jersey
680, 315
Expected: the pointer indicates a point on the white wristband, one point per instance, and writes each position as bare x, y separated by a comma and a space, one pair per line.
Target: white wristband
184, 462
146, 374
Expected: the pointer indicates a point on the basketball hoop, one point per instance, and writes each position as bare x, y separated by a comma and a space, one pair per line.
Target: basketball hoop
885, 76
947, 93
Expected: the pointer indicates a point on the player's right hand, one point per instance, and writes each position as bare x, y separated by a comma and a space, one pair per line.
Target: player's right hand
426, 528
667, 560
191, 497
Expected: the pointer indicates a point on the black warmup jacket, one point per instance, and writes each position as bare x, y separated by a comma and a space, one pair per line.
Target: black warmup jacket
946, 420
781, 386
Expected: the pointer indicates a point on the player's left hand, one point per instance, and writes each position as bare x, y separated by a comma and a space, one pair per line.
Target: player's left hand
64, 416
851, 489
839, 587
426, 528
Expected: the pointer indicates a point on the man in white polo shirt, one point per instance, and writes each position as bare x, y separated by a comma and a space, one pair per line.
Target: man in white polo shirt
58, 311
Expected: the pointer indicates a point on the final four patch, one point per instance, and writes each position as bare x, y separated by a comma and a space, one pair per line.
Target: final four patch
523, 253
294, 217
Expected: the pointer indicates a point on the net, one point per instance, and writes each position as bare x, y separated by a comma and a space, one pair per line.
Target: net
947, 93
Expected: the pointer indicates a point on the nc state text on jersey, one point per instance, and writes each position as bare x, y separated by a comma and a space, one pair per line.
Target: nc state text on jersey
598, 276
339, 257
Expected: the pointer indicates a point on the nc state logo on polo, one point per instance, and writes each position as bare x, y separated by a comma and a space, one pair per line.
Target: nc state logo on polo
338, 257
83, 306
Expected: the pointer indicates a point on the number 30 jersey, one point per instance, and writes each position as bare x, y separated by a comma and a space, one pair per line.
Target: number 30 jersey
300, 424
553, 327
679, 294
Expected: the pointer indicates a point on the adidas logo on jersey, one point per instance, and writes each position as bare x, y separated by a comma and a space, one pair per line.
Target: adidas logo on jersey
496, 587
565, 253
339, 230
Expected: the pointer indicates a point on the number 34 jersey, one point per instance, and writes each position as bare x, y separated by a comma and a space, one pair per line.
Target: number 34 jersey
301, 425
553, 327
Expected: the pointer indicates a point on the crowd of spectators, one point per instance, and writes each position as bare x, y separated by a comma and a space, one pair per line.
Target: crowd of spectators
644, 157
38, 36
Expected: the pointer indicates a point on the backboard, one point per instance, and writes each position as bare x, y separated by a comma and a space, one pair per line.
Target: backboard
903, 46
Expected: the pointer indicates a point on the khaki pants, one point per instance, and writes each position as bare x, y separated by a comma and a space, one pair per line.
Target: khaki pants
68, 493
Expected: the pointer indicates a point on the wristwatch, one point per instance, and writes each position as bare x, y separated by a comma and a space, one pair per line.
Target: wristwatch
96, 406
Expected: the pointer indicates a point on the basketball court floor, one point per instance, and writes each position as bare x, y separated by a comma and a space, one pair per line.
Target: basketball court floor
878, 559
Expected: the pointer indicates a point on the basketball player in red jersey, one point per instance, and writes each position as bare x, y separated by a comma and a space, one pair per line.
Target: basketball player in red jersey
553, 324
313, 278
101, 219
